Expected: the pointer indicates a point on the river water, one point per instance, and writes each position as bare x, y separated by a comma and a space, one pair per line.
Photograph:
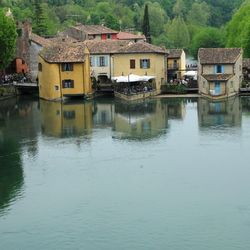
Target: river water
103, 175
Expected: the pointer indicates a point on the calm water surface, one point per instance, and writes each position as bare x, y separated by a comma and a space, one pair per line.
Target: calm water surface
102, 175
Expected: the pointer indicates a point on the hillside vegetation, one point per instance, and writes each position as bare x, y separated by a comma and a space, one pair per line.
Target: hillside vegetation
185, 24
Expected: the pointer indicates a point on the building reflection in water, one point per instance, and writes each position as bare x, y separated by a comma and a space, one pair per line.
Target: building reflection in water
176, 107
70, 119
245, 102
143, 120
19, 126
223, 113
104, 112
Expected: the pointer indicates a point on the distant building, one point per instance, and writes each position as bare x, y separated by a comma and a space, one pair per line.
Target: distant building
90, 32
176, 64
246, 69
100, 58
130, 37
21, 62
219, 71
64, 71
141, 59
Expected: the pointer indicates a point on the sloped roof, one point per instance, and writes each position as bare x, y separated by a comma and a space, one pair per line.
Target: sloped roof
246, 63
141, 47
105, 46
219, 55
95, 29
129, 36
175, 53
63, 52
217, 77
39, 40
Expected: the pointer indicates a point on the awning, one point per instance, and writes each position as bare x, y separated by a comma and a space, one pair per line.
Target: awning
132, 78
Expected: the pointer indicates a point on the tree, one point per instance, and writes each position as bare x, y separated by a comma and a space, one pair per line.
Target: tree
238, 28
158, 19
179, 8
207, 38
8, 37
40, 25
145, 25
177, 33
199, 14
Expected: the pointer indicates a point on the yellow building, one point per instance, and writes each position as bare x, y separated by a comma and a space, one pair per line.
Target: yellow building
64, 71
141, 59
176, 64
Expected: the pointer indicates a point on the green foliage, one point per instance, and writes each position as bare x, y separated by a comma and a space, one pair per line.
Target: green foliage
173, 88
158, 18
188, 17
39, 19
207, 38
199, 14
238, 29
8, 37
178, 34
145, 25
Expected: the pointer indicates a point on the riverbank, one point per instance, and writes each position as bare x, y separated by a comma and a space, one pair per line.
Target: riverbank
7, 91
176, 95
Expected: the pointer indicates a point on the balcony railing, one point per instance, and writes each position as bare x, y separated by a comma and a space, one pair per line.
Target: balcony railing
173, 66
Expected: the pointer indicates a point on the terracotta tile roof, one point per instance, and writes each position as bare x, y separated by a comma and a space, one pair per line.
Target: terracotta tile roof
219, 55
141, 47
175, 53
63, 51
129, 36
218, 77
61, 38
105, 46
39, 40
246, 63
95, 29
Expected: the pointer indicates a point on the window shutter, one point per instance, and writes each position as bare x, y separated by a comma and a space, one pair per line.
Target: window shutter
105, 61
62, 67
215, 69
97, 61
222, 69
148, 63
141, 62
72, 83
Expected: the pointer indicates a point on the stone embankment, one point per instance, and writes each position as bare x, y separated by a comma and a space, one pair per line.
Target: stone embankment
7, 91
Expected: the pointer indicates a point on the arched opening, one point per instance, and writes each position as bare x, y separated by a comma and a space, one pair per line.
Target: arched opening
17, 66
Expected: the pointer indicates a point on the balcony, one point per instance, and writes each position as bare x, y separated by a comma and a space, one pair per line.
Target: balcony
173, 66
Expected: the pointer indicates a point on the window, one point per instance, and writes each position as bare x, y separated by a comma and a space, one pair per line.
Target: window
68, 84
108, 36
67, 67
68, 115
56, 87
40, 67
102, 61
23, 62
132, 63
145, 63
219, 69
92, 61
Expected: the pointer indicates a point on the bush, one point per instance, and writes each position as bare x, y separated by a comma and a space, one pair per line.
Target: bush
174, 88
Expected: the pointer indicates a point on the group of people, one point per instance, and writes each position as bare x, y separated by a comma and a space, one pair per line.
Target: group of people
180, 81
10, 78
191, 66
134, 89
